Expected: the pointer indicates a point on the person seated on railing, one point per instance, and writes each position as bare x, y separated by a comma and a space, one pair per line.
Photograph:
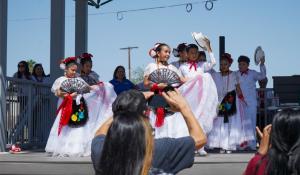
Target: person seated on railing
279, 150
125, 144
38, 74
23, 71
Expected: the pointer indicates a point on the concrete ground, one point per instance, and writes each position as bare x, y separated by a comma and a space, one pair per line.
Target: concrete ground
42, 163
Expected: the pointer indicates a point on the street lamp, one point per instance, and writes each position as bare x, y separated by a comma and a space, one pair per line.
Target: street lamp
129, 61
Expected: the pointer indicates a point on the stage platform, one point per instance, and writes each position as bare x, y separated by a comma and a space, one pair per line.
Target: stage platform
42, 163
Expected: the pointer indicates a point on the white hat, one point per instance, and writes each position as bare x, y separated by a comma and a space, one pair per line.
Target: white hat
200, 39
258, 55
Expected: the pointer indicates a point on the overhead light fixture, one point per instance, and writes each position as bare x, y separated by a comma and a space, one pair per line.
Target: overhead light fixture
97, 3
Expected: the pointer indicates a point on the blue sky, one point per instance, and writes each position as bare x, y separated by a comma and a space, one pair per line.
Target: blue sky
245, 24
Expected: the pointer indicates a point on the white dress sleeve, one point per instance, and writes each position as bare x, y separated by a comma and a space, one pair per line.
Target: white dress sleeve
183, 70
57, 83
210, 64
149, 68
177, 71
262, 74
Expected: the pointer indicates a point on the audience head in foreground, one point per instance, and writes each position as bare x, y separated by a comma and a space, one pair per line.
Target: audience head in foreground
129, 143
279, 151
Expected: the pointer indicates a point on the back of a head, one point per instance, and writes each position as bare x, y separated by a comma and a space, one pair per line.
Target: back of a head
125, 146
131, 101
284, 154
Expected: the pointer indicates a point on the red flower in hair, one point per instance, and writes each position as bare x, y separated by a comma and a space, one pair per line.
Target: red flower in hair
152, 51
86, 55
69, 59
227, 57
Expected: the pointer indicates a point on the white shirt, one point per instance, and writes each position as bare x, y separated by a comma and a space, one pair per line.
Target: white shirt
248, 82
189, 71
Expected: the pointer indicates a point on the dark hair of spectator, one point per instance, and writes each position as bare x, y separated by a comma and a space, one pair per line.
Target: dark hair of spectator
116, 70
244, 58
130, 101
128, 144
284, 154
26, 72
191, 46
34, 70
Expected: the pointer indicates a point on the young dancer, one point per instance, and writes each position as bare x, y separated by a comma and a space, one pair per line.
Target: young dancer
201, 97
180, 52
248, 79
197, 69
81, 108
86, 72
227, 132
194, 66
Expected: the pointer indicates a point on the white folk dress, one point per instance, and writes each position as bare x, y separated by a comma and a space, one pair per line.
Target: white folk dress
232, 133
208, 102
201, 98
76, 142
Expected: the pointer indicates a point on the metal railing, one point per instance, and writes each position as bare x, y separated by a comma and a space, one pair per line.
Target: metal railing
30, 112
265, 99
2, 112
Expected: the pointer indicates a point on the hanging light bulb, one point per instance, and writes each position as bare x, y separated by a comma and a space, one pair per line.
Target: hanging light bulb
120, 16
209, 4
189, 7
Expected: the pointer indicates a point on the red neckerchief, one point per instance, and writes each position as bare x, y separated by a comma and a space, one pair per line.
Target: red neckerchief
193, 64
244, 72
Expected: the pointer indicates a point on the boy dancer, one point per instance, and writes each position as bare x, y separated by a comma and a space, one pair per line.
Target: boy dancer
248, 79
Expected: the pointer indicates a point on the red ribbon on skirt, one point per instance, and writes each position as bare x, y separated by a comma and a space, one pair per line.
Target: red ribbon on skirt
66, 112
160, 117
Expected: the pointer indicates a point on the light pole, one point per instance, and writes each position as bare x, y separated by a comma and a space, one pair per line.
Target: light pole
129, 61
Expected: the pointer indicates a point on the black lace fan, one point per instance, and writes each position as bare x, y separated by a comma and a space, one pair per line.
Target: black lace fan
71, 85
165, 75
